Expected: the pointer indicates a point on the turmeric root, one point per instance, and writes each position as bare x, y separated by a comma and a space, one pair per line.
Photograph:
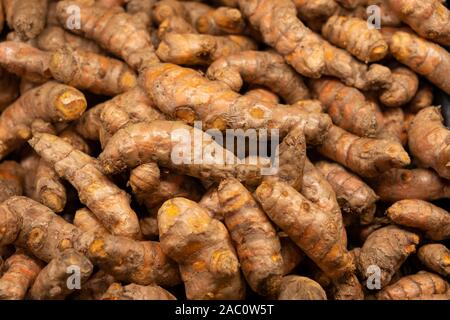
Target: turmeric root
87, 221
211, 203
254, 237
54, 38
212, 270
114, 30
347, 107
263, 68
316, 13
263, 94
309, 54
426, 58
26, 17
200, 49
167, 141
219, 21
95, 287
428, 141
184, 94
152, 187
291, 254
394, 126
422, 99
399, 184
404, 86
349, 288
354, 35
11, 180
51, 102
9, 88
414, 286
30, 225
421, 215
136, 292
109, 203
353, 194
300, 288
53, 282
386, 248
25, 61
303, 222
430, 19
435, 257
90, 71
365, 156
21, 271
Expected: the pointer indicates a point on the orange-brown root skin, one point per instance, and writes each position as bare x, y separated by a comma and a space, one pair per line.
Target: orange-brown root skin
254, 237
303, 222
136, 292
414, 286
386, 248
202, 246
432, 220
428, 141
21, 271
300, 288
26, 17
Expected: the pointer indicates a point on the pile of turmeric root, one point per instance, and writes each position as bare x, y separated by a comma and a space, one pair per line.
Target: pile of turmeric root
94, 95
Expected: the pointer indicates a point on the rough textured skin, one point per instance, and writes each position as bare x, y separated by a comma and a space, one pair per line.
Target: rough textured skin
399, 184
87, 221
222, 20
291, 254
26, 17
347, 107
25, 61
20, 271
291, 156
414, 286
91, 71
262, 68
136, 292
114, 30
354, 35
200, 49
386, 248
54, 38
365, 156
110, 204
430, 19
422, 99
404, 86
352, 193
53, 281
309, 54
429, 141
211, 203
152, 187
48, 188
95, 287
30, 225
315, 13
351, 4
300, 288
166, 9
142, 10
169, 143
185, 94
319, 191
422, 215
394, 127
173, 25
9, 88
435, 257
263, 94
303, 221
202, 246
254, 237
51, 102
348, 288
11, 180
89, 125
426, 58
130, 107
